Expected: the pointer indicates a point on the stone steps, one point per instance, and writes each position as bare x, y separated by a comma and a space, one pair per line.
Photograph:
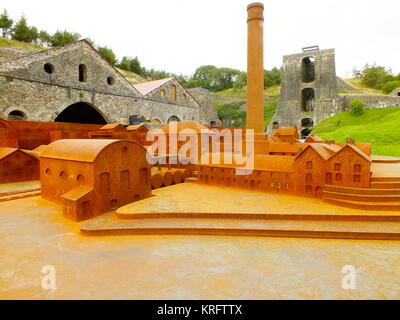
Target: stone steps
386, 185
111, 225
363, 205
19, 195
365, 191
385, 179
259, 216
361, 197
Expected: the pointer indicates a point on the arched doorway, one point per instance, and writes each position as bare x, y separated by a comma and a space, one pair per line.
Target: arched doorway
81, 112
173, 119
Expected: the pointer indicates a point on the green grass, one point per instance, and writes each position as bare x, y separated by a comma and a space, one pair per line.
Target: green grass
20, 45
358, 84
381, 127
230, 100
241, 93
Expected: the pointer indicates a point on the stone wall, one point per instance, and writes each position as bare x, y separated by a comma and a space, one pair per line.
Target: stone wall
208, 113
370, 100
26, 86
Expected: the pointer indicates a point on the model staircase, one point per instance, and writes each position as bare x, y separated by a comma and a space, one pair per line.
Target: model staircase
384, 195
19, 195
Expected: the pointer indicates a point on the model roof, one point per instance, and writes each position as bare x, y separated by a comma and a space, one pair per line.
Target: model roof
84, 150
5, 152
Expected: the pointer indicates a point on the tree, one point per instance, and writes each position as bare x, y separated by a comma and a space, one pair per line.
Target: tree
357, 107
44, 38
241, 80
376, 76
63, 37
204, 76
272, 77
108, 54
21, 31
390, 86
133, 64
5, 23
33, 34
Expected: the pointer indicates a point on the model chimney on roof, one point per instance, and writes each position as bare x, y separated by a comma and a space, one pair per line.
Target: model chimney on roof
255, 69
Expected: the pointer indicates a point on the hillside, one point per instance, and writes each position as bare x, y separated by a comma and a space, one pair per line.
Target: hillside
378, 126
357, 84
9, 43
231, 102
131, 76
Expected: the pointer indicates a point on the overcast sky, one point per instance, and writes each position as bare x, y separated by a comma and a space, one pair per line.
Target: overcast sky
180, 35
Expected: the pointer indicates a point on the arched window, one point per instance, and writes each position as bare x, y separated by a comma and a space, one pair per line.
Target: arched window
16, 115
82, 73
307, 100
308, 70
162, 93
173, 92
173, 119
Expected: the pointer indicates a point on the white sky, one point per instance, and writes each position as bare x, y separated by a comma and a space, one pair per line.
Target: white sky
180, 35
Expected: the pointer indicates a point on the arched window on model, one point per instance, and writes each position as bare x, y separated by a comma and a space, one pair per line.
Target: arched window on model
82, 73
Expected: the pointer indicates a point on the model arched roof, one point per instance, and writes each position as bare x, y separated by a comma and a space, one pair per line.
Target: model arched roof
84, 150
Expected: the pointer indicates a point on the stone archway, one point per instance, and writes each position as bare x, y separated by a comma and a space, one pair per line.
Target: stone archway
81, 112
173, 119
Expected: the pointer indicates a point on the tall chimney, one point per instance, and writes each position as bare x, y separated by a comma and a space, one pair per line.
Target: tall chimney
255, 69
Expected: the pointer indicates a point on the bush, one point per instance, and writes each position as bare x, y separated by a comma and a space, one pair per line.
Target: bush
390, 86
357, 107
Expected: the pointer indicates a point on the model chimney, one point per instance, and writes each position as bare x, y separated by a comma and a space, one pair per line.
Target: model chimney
255, 69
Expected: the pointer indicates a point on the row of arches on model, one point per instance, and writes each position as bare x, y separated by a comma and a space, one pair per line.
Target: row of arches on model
82, 73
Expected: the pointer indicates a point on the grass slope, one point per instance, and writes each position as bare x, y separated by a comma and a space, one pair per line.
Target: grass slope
358, 84
381, 127
270, 92
131, 76
9, 43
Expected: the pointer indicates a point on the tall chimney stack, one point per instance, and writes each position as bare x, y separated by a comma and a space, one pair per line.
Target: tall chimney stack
255, 69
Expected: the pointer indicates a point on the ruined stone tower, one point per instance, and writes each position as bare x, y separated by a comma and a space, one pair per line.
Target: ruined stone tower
309, 90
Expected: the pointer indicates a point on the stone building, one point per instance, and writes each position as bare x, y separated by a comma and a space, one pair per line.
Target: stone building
309, 90
74, 83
